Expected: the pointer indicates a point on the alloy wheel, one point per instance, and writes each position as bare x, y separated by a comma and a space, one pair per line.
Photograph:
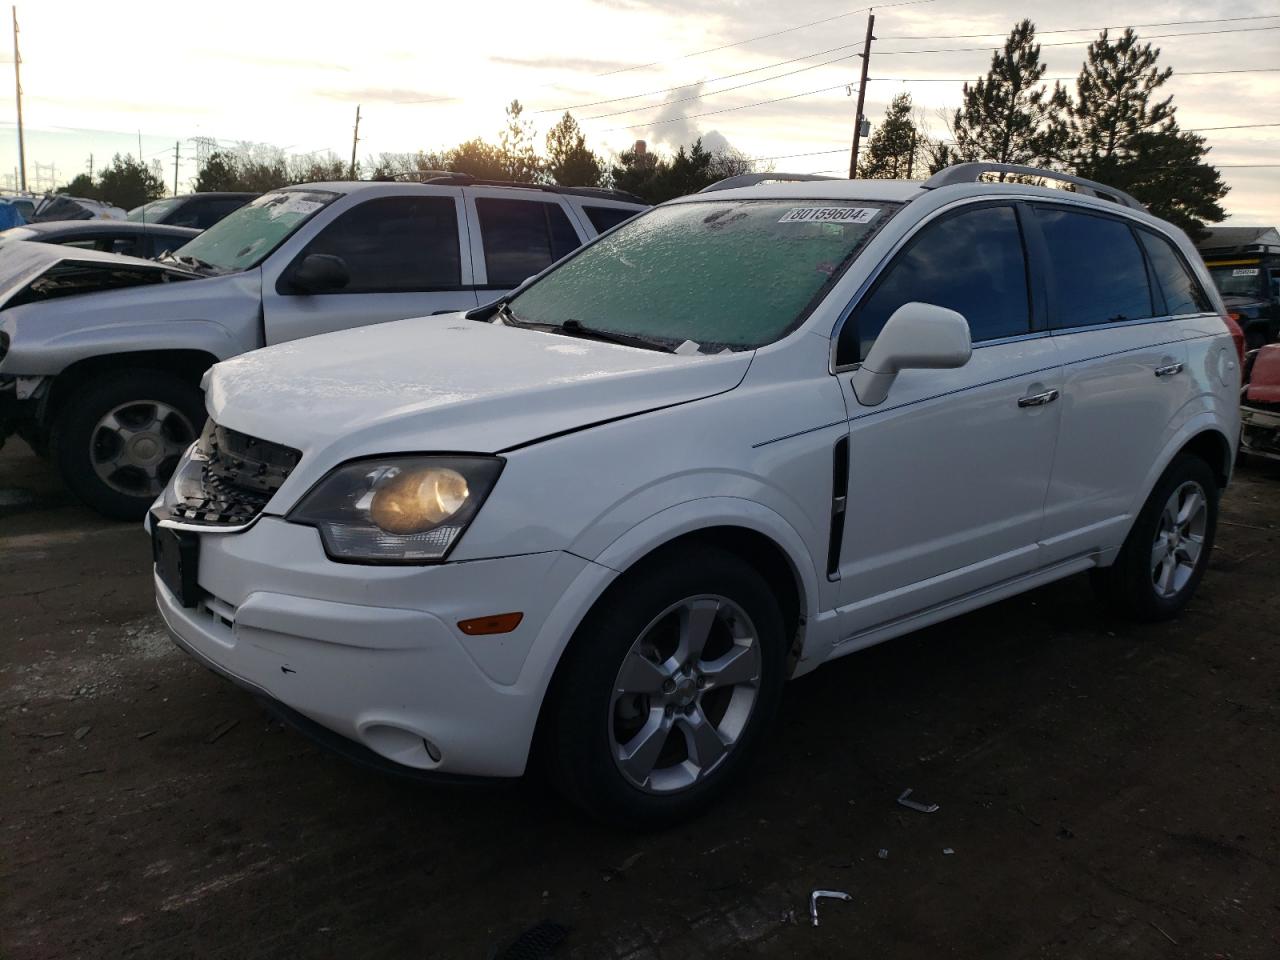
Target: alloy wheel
684, 694
1179, 539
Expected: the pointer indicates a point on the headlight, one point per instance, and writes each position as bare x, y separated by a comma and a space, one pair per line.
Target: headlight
398, 509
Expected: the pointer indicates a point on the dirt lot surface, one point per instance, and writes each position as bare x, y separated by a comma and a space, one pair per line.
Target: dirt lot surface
1105, 791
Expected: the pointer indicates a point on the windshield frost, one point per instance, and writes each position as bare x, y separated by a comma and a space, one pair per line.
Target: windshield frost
732, 273
244, 238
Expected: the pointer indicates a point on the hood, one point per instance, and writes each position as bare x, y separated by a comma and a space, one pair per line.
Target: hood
445, 383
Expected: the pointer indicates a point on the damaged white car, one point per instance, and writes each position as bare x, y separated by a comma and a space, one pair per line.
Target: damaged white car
601, 523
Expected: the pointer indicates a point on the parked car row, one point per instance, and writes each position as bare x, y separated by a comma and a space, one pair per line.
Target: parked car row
598, 522
101, 355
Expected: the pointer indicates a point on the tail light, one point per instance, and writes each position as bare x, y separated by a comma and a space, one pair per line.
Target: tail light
1232, 320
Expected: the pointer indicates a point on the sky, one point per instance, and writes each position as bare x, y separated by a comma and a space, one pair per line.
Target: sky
101, 77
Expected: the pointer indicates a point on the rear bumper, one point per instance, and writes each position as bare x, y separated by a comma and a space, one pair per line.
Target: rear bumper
1260, 432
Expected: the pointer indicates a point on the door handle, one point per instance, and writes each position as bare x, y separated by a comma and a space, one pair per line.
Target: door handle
1169, 369
1038, 399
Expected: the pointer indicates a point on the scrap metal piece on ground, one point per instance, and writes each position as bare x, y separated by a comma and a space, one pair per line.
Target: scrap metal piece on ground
915, 805
825, 895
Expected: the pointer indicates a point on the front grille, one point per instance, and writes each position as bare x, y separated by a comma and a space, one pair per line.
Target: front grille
239, 474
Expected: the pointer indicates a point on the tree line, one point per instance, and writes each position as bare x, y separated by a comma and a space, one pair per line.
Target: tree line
1116, 126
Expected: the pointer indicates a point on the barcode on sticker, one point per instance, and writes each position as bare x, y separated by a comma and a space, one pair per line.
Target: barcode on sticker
830, 215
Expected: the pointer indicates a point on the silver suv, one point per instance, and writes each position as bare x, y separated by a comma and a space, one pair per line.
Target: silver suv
101, 356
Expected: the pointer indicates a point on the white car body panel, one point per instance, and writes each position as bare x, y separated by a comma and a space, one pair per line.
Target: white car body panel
957, 496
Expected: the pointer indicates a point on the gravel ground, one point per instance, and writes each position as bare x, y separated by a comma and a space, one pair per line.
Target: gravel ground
1105, 791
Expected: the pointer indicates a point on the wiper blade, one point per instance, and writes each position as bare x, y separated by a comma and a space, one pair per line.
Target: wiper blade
578, 329
197, 263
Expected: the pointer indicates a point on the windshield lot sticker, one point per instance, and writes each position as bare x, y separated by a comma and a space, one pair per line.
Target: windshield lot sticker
830, 215
1246, 272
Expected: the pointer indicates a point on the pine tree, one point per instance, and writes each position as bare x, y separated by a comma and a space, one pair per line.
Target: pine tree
1005, 114
515, 144
1119, 134
569, 162
892, 148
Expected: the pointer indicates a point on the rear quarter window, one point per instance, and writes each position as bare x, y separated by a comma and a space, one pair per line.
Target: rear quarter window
1182, 292
606, 218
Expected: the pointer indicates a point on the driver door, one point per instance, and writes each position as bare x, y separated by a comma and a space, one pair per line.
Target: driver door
407, 256
948, 476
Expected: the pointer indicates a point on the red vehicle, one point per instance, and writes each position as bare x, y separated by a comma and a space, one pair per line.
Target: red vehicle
1260, 403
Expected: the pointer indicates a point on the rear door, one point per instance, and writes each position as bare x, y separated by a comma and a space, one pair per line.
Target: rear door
947, 476
516, 234
1125, 368
407, 256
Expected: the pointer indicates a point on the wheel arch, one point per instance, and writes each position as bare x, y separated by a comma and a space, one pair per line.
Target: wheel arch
189, 365
756, 534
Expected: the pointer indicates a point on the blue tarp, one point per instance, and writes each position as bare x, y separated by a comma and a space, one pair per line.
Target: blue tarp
10, 216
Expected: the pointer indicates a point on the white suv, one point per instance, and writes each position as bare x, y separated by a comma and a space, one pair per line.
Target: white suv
750, 431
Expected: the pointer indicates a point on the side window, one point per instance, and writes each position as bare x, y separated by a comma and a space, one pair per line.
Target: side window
606, 218
522, 237
396, 245
83, 243
213, 209
1096, 271
1182, 293
127, 246
971, 262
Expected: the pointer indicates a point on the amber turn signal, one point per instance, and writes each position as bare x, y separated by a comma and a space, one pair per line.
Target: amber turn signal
498, 623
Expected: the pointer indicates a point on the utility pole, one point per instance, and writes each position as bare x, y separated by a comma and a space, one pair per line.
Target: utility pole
91, 168
17, 82
139, 148
355, 138
911, 157
175, 166
862, 96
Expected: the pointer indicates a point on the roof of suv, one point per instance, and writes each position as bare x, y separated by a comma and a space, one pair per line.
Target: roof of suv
358, 186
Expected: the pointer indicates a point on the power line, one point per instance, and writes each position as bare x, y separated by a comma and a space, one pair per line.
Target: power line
750, 83
846, 46
711, 93
1235, 126
1118, 26
1176, 74
1076, 43
763, 36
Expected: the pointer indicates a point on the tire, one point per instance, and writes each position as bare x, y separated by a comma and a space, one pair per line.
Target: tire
592, 724
1148, 581
119, 470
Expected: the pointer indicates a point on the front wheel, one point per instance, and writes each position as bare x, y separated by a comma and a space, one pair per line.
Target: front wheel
119, 438
1166, 552
667, 689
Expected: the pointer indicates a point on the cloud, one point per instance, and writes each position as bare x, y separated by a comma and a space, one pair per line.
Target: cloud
577, 64
384, 95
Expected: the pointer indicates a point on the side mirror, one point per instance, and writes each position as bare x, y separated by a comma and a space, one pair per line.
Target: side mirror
919, 336
320, 273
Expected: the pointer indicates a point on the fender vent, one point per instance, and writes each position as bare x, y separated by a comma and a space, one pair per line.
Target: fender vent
839, 504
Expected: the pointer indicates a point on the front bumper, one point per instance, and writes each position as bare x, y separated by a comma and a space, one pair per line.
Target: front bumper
380, 660
1260, 432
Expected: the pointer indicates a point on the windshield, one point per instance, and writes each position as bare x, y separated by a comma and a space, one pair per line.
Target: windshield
734, 274
153, 211
245, 238
1237, 281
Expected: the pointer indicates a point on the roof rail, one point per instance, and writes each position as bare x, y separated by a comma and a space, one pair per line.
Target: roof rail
751, 179
972, 173
600, 193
